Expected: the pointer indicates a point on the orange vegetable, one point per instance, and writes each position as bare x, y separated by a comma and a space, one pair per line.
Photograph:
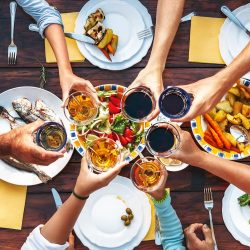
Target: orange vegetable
215, 126
110, 49
105, 52
216, 137
210, 140
235, 149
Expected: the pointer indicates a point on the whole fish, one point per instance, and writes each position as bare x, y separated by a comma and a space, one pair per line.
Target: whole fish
42, 111
28, 168
15, 122
24, 109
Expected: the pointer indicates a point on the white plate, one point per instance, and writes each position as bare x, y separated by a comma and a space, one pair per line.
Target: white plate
142, 199
232, 39
132, 60
227, 217
125, 21
11, 174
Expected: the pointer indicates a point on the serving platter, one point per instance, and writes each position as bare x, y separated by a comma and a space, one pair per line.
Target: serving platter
11, 174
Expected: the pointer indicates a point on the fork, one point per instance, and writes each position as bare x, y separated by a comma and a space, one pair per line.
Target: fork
12, 49
145, 33
209, 204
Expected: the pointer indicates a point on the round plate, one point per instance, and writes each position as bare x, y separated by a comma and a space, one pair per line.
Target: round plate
146, 213
78, 143
101, 217
139, 51
125, 21
231, 38
11, 174
227, 217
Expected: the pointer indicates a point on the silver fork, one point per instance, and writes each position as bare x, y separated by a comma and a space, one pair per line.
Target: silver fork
209, 204
12, 49
145, 33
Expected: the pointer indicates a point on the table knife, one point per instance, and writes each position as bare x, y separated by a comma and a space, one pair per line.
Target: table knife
234, 19
157, 231
79, 37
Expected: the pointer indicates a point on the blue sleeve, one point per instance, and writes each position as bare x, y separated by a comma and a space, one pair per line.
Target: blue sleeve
42, 12
170, 226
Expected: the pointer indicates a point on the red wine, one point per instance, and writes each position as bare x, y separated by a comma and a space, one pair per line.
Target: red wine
161, 140
173, 104
138, 105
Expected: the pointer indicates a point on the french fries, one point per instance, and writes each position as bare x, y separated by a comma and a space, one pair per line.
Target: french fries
234, 110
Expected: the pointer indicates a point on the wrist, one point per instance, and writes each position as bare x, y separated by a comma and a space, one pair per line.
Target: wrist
159, 194
198, 159
156, 66
225, 79
81, 191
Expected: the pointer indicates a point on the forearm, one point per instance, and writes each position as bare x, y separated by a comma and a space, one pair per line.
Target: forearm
5, 145
58, 228
167, 21
235, 173
55, 35
234, 71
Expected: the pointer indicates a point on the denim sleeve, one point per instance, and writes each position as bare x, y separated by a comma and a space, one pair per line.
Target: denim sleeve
170, 226
42, 12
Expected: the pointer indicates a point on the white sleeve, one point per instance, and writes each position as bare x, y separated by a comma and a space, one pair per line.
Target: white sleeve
36, 241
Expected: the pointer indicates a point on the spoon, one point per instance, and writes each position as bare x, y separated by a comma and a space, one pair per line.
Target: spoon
239, 133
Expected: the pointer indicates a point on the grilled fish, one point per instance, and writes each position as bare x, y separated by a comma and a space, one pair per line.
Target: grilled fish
28, 168
24, 109
93, 18
15, 122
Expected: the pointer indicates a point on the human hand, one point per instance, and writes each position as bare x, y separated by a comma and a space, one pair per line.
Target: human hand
23, 148
160, 192
88, 182
193, 242
152, 79
72, 82
207, 93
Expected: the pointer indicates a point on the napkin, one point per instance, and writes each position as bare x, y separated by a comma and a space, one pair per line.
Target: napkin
12, 201
151, 232
204, 40
74, 53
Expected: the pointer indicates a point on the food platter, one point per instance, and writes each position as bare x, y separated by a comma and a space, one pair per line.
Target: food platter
18, 177
80, 144
199, 126
126, 18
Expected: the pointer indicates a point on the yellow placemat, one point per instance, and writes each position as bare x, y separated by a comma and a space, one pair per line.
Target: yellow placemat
74, 53
151, 232
12, 202
204, 40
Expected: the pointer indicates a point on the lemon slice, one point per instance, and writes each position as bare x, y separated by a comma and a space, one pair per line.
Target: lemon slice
91, 138
170, 162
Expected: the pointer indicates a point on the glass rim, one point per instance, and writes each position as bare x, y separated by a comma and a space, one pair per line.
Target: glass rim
168, 152
82, 93
131, 90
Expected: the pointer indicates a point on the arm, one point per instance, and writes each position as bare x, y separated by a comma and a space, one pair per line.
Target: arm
209, 91
55, 232
167, 21
234, 172
50, 25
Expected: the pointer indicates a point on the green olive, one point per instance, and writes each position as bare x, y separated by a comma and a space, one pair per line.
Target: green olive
124, 217
127, 223
128, 211
130, 217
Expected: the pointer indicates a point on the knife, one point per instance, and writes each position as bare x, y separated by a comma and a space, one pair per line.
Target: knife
79, 37
234, 19
58, 202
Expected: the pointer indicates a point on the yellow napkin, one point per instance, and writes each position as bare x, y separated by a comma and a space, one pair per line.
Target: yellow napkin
151, 232
12, 201
74, 53
204, 40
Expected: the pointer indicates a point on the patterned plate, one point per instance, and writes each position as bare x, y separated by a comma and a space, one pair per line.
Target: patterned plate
78, 144
199, 126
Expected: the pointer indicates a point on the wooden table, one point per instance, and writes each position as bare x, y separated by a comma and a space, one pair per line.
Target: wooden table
186, 186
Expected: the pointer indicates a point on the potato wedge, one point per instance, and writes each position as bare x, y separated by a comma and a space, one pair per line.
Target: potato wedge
245, 93
246, 110
245, 121
231, 98
223, 124
233, 119
220, 116
237, 107
225, 105
106, 39
114, 43
241, 146
235, 91
230, 138
212, 112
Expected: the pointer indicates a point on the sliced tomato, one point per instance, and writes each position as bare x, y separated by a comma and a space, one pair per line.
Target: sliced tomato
113, 109
128, 134
123, 140
115, 100
110, 136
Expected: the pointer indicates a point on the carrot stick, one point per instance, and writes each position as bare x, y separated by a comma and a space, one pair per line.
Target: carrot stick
216, 137
215, 126
208, 133
210, 141
106, 54
110, 49
235, 149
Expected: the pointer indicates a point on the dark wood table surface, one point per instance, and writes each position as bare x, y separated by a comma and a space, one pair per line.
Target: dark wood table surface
186, 186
